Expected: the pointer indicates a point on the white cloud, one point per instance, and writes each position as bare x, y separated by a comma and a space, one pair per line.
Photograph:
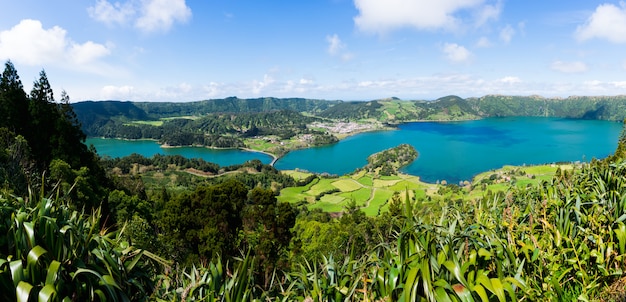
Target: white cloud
259, 86
456, 53
569, 67
507, 33
304, 81
111, 92
334, 44
607, 22
147, 15
619, 84
422, 87
184, 87
300, 87
29, 43
596, 86
116, 13
88, 52
483, 42
180, 92
378, 16
337, 48
510, 80
160, 15
488, 13
213, 89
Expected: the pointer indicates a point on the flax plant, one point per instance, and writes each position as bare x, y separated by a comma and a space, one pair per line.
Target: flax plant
49, 252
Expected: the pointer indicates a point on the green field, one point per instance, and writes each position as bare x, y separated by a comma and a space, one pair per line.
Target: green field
368, 190
372, 192
347, 185
151, 123
324, 185
159, 122
297, 175
362, 194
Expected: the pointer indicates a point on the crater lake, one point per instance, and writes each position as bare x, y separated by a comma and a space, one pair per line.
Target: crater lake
451, 151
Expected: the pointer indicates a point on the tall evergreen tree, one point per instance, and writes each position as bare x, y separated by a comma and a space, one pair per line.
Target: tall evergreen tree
43, 115
51, 131
68, 141
13, 101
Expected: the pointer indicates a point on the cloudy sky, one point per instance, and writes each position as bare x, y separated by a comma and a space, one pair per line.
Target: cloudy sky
178, 50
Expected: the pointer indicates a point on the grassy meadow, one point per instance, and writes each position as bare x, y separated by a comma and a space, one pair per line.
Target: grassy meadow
372, 192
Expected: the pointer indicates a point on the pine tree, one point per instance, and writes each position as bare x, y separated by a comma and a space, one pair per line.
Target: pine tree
41, 134
13, 101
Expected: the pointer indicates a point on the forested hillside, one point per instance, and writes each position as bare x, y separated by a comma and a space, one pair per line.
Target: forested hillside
196, 120
42, 143
585, 107
214, 123
234, 105
94, 115
456, 108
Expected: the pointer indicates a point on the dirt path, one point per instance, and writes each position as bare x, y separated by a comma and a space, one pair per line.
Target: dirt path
369, 200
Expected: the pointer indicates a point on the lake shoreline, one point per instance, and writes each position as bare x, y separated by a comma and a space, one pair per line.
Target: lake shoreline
449, 151
376, 126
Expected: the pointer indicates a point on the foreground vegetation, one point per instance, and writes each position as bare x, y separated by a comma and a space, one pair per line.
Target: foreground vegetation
76, 227
560, 241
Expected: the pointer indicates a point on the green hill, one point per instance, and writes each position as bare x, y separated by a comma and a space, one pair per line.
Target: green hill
585, 107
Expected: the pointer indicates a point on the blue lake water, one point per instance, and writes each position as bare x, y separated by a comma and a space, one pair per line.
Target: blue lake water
451, 151
148, 148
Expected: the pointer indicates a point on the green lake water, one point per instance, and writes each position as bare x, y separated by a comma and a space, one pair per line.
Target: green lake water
451, 151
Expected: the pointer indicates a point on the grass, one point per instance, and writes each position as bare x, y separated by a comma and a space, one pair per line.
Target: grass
160, 122
347, 185
297, 175
379, 183
358, 175
188, 117
296, 194
258, 144
405, 184
366, 180
390, 177
324, 185
293, 194
327, 207
367, 189
151, 123
372, 191
380, 198
362, 194
333, 199
521, 175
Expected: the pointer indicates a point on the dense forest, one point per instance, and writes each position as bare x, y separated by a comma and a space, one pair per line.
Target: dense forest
77, 227
223, 130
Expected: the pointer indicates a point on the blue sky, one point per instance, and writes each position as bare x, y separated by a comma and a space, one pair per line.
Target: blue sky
178, 50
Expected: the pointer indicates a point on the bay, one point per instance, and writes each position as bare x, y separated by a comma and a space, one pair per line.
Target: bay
451, 151
148, 148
